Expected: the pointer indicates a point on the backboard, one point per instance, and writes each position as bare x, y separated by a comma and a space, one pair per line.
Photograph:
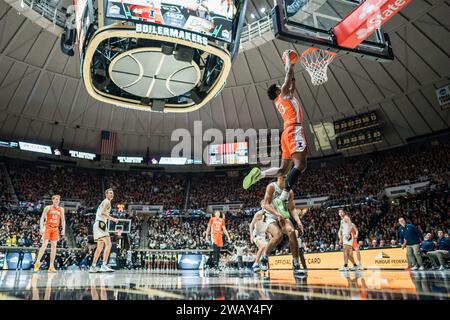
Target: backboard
124, 225
310, 22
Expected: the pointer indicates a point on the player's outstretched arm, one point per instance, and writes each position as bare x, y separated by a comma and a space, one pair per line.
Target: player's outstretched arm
286, 88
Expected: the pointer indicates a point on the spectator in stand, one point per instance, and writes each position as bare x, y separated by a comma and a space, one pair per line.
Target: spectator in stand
382, 243
427, 244
393, 243
374, 244
443, 252
361, 245
144, 188
410, 238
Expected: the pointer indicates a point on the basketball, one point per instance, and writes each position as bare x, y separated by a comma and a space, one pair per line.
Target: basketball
293, 56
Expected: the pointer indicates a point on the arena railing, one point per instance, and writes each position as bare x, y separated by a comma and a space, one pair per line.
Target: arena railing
256, 30
52, 13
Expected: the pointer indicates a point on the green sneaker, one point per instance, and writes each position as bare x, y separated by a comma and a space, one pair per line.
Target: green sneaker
253, 177
280, 205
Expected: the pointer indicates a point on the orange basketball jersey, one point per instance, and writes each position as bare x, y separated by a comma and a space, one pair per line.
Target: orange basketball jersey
217, 230
216, 225
53, 217
290, 110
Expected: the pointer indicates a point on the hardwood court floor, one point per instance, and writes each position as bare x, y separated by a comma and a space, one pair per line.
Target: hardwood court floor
234, 285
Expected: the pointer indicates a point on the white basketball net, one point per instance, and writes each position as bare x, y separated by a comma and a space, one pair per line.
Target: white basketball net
316, 62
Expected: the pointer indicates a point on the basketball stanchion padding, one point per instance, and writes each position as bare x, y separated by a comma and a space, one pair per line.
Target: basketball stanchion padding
316, 62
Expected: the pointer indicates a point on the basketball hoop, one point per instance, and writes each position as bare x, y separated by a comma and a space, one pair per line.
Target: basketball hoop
316, 62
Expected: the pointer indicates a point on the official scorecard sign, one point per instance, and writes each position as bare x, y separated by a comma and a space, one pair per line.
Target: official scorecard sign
382, 258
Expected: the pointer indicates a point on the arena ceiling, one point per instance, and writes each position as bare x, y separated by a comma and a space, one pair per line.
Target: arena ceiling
42, 98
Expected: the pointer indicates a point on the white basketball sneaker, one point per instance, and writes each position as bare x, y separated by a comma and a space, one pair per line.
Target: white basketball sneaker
93, 269
105, 268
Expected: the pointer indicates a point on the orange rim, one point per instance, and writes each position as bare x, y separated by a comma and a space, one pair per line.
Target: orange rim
331, 57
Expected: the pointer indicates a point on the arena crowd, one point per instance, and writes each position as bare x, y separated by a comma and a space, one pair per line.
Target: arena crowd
364, 176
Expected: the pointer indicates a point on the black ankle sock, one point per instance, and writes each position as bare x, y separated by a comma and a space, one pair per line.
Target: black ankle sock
292, 178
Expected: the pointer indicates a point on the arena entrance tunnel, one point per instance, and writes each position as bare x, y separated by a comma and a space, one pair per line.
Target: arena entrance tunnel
155, 55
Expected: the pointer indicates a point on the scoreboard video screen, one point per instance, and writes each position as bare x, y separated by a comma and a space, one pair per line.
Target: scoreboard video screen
228, 153
213, 18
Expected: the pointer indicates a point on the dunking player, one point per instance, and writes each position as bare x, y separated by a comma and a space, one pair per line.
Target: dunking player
279, 225
101, 233
293, 140
217, 226
258, 228
51, 218
346, 237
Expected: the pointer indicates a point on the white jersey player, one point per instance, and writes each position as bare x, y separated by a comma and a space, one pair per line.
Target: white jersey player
101, 233
258, 228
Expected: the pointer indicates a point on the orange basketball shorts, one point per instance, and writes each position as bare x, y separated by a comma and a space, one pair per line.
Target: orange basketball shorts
218, 239
51, 234
293, 140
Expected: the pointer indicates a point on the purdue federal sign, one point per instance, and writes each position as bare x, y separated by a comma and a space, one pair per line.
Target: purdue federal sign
172, 33
383, 258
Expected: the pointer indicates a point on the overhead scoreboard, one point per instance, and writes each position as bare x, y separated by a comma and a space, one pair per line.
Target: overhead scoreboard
156, 55
357, 131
